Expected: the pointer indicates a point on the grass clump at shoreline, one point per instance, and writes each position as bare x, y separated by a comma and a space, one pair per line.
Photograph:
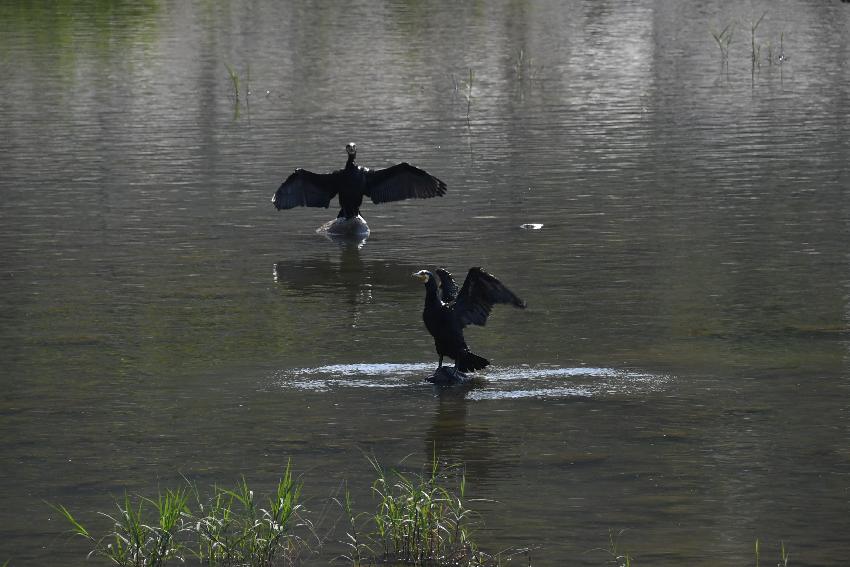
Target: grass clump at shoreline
233, 528
420, 519
230, 528
134, 540
417, 521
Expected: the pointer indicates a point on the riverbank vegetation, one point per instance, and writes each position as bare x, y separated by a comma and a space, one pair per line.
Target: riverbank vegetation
417, 519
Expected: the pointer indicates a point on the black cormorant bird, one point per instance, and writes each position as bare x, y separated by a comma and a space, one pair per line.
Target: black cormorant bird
447, 311
401, 181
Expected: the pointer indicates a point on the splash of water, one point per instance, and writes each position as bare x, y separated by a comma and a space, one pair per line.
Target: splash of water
498, 382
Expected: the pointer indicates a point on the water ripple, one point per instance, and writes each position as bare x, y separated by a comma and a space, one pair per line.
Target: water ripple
497, 383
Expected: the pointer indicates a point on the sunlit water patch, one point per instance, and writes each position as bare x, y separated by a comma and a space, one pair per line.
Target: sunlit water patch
333, 376
549, 382
496, 383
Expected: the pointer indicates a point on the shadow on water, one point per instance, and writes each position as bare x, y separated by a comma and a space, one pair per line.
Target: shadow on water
350, 266
316, 274
453, 437
344, 271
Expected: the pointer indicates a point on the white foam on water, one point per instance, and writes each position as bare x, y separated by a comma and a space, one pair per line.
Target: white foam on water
369, 369
531, 373
548, 382
496, 382
326, 385
518, 394
333, 376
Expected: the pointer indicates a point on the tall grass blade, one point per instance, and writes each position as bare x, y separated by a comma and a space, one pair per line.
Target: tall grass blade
78, 528
234, 80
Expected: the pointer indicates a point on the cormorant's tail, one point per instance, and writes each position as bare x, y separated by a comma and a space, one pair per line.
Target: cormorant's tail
469, 362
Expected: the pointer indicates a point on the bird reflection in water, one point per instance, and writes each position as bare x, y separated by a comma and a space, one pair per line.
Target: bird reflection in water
453, 438
347, 275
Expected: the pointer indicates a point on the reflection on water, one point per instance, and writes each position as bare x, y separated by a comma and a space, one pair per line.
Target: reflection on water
677, 224
357, 241
349, 275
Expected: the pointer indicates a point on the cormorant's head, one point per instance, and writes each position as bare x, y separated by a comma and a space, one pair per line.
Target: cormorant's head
423, 276
351, 148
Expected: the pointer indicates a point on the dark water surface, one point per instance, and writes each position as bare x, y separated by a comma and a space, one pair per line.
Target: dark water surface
681, 372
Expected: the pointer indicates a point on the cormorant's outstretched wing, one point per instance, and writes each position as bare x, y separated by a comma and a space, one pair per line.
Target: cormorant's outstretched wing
306, 189
480, 292
402, 181
448, 286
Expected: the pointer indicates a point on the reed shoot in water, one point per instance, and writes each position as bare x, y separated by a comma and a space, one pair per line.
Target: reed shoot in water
723, 38
784, 556
469, 82
234, 80
231, 529
619, 559
358, 548
135, 540
418, 521
756, 48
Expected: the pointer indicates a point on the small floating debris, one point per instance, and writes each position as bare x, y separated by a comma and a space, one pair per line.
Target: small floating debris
531, 226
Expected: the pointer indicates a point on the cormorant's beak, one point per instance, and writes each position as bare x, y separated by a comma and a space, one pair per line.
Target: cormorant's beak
421, 275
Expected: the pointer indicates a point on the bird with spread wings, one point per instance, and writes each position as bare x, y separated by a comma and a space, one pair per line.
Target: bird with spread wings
401, 181
448, 310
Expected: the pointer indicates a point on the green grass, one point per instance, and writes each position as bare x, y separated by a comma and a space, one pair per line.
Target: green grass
420, 519
784, 556
234, 80
135, 540
229, 528
239, 89
618, 557
233, 528
417, 520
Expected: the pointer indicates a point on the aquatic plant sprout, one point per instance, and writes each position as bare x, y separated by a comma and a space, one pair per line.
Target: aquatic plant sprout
135, 540
229, 528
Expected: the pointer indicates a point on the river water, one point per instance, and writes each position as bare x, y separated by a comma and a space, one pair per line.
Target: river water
679, 379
